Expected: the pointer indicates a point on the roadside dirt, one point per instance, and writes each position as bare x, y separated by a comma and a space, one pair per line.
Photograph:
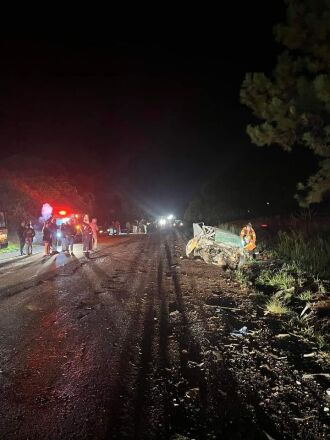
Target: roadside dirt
137, 343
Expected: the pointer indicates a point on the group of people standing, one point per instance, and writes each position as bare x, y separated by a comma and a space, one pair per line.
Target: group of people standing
25, 234
50, 238
68, 231
116, 227
136, 227
51, 233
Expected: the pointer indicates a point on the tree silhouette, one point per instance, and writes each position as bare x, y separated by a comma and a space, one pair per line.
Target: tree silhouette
294, 102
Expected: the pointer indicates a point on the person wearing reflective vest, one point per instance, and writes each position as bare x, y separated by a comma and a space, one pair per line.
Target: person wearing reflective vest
248, 238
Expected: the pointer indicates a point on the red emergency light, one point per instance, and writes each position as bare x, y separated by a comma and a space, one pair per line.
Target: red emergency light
62, 212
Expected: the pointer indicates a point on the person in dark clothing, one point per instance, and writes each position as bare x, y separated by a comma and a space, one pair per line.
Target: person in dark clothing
87, 236
21, 236
53, 229
64, 237
47, 237
71, 231
29, 234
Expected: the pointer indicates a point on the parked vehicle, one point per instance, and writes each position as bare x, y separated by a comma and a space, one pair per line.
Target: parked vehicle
3, 230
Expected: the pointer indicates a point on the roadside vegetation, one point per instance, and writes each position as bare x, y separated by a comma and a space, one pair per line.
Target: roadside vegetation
311, 254
292, 284
10, 248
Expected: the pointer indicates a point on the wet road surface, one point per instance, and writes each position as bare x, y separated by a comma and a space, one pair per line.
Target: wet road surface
121, 346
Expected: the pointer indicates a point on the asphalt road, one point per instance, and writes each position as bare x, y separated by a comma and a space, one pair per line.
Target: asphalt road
109, 348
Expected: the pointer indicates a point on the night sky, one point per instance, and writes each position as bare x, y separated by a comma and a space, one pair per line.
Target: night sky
155, 114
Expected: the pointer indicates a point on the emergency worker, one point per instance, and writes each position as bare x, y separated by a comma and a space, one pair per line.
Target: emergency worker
248, 238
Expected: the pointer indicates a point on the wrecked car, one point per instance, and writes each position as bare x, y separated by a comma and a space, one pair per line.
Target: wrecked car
216, 246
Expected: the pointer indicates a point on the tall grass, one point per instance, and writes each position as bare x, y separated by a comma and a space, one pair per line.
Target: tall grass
275, 306
311, 253
280, 279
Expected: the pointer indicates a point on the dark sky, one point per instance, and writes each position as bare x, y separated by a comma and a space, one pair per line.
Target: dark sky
157, 112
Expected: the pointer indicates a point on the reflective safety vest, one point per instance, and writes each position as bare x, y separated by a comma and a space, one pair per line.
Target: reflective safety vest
249, 238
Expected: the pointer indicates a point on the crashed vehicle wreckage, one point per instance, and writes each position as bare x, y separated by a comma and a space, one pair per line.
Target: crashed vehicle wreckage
216, 246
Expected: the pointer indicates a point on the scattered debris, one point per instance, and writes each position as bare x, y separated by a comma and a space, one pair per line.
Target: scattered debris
218, 356
269, 437
311, 376
179, 437
232, 309
192, 364
279, 358
239, 333
193, 393
309, 355
282, 335
307, 307
303, 419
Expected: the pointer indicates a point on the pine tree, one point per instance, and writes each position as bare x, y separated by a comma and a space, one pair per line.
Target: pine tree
294, 102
